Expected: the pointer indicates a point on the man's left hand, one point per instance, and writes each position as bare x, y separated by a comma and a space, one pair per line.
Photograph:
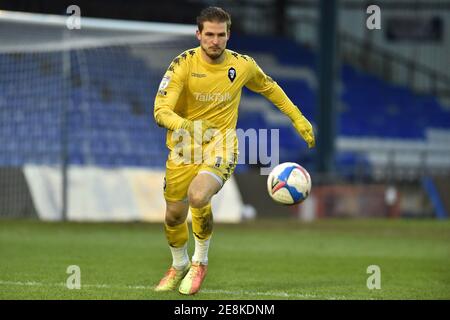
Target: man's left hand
305, 129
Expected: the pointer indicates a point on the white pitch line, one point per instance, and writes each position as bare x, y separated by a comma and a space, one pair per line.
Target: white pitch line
278, 294
257, 293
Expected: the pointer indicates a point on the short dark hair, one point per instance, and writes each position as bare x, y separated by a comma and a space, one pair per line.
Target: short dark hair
213, 14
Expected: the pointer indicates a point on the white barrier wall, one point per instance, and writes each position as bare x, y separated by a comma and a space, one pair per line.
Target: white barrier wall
119, 194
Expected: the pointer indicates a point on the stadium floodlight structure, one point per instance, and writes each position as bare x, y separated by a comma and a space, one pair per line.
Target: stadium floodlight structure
73, 100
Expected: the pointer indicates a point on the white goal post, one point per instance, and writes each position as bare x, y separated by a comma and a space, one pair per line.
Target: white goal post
76, 116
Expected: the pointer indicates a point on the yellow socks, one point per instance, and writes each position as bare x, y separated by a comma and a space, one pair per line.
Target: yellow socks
202, 226
177, 237
202, 222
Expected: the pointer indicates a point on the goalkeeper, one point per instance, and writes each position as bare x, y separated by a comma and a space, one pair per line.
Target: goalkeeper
199, 97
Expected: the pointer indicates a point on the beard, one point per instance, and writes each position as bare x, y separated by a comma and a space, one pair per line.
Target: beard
213, 54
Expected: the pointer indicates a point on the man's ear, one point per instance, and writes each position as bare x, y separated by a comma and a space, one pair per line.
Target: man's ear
198, 35
228, 35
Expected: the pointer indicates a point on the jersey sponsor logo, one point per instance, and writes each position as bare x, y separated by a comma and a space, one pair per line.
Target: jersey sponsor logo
198, 75
212, 96
231, 74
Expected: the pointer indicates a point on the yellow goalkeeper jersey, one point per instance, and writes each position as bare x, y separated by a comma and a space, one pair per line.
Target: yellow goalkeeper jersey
193, 89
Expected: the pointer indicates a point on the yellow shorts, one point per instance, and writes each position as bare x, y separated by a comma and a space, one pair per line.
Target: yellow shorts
180, 175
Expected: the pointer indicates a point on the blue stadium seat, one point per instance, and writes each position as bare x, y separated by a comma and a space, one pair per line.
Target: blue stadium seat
109, 118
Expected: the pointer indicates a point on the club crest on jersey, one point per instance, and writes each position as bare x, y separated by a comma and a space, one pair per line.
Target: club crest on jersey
231, 74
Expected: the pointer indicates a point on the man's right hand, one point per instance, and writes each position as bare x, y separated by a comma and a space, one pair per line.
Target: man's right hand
198, 128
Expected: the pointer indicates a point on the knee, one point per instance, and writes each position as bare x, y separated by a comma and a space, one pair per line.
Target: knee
197, 199
174, 218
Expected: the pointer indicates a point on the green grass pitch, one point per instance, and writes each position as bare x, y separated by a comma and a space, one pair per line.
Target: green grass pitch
326, 259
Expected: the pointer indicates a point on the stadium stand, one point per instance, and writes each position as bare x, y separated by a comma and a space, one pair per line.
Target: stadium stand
109, 119
380, 124
110, 96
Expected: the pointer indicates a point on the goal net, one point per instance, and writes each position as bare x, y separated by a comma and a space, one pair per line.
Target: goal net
82, 98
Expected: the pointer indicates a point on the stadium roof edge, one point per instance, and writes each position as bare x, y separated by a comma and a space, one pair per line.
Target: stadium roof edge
97, 23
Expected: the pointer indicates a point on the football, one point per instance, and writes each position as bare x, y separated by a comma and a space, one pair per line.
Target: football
289, 183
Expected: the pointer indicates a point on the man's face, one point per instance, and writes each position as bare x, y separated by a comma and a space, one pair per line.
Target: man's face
213, 38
